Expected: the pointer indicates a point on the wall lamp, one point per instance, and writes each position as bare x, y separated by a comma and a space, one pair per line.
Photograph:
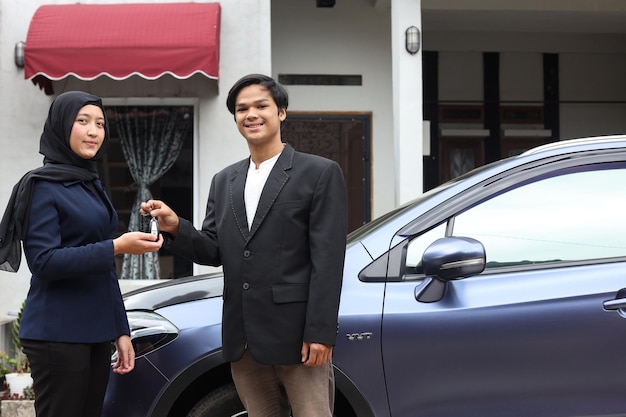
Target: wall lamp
18, 54
412, 40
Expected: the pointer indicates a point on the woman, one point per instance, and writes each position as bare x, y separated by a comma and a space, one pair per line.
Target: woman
66, 221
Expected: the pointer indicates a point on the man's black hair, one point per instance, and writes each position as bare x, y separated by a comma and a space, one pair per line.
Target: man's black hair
277, 91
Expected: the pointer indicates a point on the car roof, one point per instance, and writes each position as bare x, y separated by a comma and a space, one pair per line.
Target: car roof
596, 142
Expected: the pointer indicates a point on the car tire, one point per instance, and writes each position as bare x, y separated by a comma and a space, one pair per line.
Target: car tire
221, 402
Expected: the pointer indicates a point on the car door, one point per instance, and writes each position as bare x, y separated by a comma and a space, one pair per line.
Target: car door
530, 335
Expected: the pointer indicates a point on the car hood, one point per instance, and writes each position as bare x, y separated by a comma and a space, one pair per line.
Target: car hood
175, 291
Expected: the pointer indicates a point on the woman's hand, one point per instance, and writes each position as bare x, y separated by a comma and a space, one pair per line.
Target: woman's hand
125, 355
136, 243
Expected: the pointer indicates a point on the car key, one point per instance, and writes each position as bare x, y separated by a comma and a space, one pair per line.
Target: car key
154, 228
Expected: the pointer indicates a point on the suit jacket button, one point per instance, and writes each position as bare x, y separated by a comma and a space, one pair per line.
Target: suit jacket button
246, 253
246, 285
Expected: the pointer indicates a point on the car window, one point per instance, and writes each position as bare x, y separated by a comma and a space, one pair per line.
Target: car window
416, 248
389, 217
576, 216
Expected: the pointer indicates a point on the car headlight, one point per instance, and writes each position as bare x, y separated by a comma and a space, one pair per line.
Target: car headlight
148, 331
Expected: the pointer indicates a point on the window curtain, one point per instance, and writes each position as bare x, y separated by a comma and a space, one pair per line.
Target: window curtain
151, 139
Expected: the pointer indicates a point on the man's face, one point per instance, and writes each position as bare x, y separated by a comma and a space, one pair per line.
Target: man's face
257, 116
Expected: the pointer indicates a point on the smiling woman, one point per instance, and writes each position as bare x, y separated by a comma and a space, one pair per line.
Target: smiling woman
87, 135
64, 219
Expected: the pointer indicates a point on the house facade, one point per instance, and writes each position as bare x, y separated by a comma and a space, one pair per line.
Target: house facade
488, 80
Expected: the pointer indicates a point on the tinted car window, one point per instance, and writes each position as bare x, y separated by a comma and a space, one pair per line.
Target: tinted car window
574, 216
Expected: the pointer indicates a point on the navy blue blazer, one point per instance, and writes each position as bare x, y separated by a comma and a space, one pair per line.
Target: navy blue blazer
74, 295
283, 276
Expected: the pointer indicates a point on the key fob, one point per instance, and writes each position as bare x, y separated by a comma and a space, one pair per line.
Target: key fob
154, 228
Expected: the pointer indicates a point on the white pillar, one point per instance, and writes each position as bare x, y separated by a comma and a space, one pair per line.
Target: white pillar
407, 102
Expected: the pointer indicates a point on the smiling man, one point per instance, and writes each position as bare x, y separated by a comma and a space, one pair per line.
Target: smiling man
277, 223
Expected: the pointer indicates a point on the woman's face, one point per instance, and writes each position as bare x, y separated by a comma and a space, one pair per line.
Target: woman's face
88, 131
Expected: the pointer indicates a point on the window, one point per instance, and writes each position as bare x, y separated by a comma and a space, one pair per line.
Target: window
418, 246
575, 216
171, 180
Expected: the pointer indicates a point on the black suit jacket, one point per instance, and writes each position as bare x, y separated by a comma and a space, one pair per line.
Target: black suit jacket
282, 278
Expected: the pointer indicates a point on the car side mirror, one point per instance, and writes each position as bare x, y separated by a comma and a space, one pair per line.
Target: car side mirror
447, 259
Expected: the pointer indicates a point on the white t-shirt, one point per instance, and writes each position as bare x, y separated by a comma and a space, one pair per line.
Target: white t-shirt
254, 185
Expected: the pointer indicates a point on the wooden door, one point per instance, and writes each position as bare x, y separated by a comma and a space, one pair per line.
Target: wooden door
344, 138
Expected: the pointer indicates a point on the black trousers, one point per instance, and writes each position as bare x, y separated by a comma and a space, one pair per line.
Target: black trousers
69, 379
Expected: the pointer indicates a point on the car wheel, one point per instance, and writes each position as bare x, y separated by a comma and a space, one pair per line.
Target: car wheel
221, 402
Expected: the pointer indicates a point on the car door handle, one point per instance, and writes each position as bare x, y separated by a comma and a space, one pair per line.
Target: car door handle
615, 304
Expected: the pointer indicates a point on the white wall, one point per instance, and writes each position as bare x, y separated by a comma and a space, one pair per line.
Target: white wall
408, 103
460, 76
521, 77
600, 78
23, 109
351, 38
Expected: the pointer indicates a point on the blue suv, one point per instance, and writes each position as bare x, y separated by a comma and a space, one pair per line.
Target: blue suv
500, 293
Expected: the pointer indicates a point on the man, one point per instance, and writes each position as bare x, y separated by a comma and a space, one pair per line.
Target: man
277, 223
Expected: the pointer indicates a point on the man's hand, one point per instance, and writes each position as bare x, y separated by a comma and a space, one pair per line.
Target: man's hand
168, 219
316, 354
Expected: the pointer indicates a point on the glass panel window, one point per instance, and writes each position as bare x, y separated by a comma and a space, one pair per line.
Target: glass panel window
160, 139
416, 248
575, 216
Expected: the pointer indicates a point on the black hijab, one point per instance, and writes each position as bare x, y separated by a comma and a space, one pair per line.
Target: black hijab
60, 164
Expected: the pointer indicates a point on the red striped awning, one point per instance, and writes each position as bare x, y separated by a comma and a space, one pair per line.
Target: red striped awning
121, 40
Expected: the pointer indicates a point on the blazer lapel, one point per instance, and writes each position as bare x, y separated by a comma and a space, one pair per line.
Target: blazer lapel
275, 182
237, 186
